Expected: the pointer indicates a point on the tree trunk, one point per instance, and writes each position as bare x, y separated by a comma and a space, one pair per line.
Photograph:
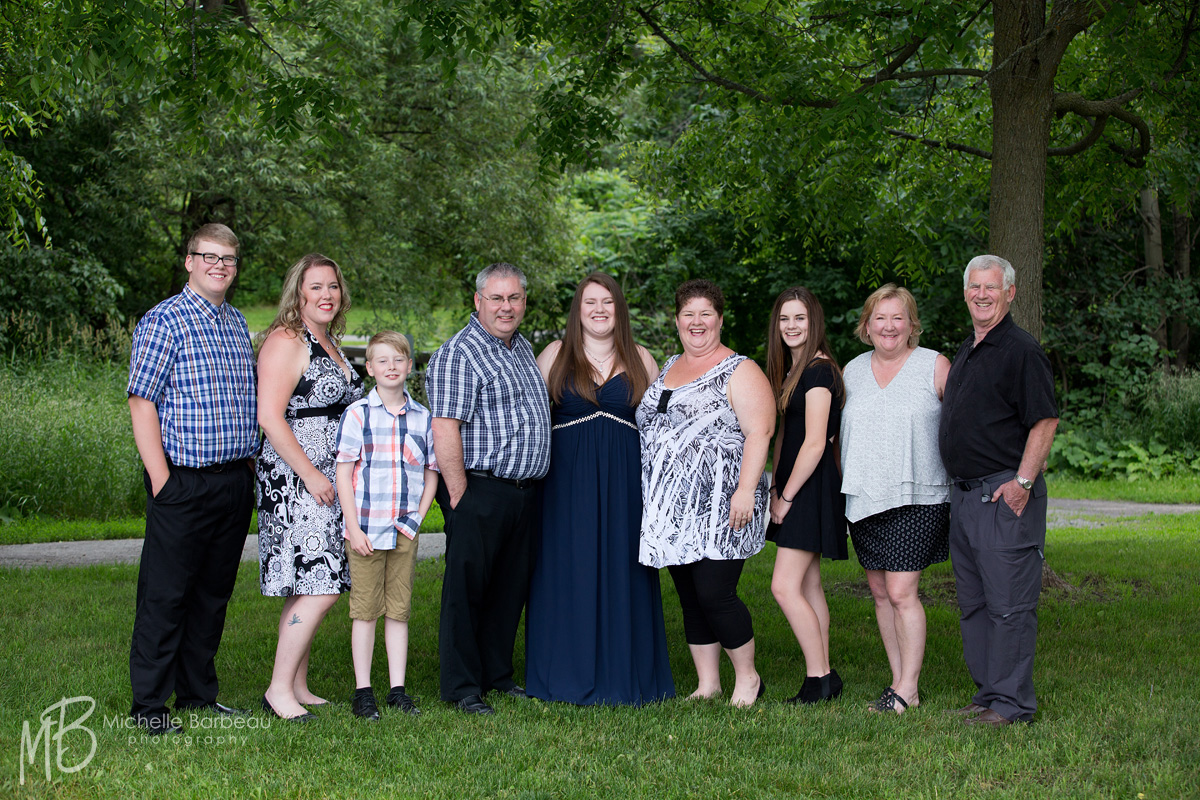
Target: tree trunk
1155, 266
1182, 230
1022, 89
1022, 93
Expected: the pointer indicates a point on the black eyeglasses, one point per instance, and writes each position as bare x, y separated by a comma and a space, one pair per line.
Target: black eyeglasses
212, 258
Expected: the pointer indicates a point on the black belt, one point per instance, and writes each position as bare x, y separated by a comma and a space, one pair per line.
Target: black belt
216, 468
520, 483
333, 411
967, 486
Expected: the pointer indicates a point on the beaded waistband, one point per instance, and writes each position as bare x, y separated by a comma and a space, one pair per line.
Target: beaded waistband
593, 416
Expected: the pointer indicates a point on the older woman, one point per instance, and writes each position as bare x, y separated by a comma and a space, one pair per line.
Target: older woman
897, 491
594, 622
807, 511
305, 383
706, 423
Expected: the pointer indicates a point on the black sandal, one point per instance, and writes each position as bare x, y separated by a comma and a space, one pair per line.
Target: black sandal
887, 702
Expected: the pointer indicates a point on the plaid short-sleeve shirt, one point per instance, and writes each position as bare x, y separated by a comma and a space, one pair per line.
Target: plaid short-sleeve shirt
195, 362
499, 395
390, 453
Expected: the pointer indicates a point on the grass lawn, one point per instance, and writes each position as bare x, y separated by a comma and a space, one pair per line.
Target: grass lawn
46, 529
429, 328
1171, 489
1116, 676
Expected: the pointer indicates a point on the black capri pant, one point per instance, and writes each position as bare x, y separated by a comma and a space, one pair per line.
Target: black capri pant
712, 610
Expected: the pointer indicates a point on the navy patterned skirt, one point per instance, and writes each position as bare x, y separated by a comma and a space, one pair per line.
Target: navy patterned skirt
904, 539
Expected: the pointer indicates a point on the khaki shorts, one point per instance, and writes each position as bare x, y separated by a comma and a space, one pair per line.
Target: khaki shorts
382, 582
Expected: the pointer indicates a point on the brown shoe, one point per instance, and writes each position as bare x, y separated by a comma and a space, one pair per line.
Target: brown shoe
969, 710
988, 717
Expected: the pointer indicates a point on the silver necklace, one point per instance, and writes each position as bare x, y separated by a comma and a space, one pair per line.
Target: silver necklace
596, 358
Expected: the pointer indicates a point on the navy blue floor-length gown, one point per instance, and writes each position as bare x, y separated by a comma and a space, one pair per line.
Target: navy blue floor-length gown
594, 630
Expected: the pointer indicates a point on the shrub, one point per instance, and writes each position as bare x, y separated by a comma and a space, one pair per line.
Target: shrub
1090, 454
52, 288
1171, 411
66, 448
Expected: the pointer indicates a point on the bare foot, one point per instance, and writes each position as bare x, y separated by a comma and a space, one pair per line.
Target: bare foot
305, 697
286, 707
913, 700
744, 696
701, 695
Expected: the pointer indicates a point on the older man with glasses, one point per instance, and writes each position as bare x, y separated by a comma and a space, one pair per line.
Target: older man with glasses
491, 431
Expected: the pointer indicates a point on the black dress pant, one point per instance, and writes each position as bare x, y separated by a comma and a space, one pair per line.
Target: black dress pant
195, 531
490, 540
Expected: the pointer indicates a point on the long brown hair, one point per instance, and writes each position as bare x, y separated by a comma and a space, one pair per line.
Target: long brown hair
779, 355
571, 366
292, 298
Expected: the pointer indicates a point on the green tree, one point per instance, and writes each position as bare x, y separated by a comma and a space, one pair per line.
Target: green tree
422, 184
205, 63
822, 114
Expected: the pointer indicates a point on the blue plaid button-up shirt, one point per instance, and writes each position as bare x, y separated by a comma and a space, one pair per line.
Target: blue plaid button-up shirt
195, 362
499, 396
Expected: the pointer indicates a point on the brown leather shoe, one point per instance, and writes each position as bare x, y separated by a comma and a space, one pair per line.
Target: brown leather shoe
969, 710
988, 717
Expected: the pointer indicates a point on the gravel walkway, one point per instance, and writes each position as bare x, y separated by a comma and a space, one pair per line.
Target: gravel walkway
1062, 514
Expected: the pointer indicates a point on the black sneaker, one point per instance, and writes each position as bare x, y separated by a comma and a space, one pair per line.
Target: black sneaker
363, 705
397, 699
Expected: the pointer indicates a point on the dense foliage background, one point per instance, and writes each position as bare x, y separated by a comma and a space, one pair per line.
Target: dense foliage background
415, 143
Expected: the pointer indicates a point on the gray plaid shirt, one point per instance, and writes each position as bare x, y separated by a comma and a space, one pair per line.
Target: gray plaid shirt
499, 396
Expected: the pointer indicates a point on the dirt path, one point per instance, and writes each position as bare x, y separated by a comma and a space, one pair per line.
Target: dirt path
1062, 514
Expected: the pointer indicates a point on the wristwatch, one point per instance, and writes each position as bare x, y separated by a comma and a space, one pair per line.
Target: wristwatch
1026, 484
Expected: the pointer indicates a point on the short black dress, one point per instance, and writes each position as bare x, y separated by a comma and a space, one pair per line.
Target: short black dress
817, 519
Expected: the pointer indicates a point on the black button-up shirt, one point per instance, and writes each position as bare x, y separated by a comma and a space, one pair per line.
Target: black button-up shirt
995, 393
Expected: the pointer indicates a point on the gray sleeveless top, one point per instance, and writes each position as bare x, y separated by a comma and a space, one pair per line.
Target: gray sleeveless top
889, 438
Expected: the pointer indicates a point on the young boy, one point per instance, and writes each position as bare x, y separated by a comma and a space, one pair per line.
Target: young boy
385, 482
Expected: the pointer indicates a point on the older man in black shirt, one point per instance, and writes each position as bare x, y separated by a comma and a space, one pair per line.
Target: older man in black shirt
998, 422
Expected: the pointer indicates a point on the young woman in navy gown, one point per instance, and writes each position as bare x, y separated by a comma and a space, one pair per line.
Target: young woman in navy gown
594, 630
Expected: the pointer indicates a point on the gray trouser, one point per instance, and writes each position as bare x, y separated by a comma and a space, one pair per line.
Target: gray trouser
997, 559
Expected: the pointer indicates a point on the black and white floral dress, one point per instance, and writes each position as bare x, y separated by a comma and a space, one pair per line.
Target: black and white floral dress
300, 546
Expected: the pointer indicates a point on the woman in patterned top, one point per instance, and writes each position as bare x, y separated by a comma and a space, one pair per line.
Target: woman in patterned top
305, 383
705, 424
897, 491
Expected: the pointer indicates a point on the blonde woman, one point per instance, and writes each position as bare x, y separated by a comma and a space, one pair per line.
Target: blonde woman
305, 383
897, 491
